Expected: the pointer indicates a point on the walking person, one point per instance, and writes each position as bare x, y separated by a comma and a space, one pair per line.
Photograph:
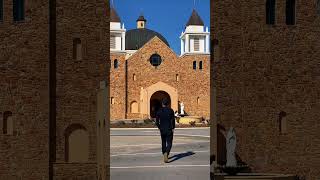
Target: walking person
165, 121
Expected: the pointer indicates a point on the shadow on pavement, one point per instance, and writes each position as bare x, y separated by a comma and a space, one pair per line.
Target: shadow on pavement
181, 155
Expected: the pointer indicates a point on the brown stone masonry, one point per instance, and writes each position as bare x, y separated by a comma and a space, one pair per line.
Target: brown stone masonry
51, 66
265, 70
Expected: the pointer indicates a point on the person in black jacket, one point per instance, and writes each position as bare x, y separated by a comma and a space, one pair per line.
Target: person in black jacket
165, 121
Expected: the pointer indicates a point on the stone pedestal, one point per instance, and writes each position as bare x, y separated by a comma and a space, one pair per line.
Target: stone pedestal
189, 119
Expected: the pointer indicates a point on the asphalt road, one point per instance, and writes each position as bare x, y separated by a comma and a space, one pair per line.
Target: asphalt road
136, 155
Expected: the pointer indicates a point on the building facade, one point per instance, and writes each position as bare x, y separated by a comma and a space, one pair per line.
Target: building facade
53, 66
266, 83
144, 70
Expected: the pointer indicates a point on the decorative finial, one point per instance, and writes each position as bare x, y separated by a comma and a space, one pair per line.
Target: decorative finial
141, 11
194, 4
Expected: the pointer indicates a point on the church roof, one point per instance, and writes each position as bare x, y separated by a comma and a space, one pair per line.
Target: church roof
195, 19
136, 38
114, 16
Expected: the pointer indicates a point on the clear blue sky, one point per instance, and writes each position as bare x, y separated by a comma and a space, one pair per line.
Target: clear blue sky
168, 17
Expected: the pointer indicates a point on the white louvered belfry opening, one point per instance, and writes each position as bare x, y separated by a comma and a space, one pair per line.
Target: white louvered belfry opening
196, 44
112, 42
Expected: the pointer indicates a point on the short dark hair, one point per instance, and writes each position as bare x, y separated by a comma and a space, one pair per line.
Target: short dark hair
165, 101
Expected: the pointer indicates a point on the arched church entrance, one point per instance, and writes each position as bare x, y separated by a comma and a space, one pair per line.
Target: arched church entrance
155, 102
153, 95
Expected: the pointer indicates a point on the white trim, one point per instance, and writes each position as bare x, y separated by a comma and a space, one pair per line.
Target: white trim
193, 53
116, 51
119, 31
194, 33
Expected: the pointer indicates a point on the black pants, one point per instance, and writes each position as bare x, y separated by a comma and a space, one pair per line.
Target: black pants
166, 138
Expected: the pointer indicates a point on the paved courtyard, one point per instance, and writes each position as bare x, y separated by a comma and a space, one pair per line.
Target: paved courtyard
136, 155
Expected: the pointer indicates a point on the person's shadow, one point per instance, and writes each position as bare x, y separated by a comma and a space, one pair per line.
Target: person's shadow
181, 155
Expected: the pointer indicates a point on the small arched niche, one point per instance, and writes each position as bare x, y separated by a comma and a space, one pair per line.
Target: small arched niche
76, 144
282, 122
134, 107
7, 126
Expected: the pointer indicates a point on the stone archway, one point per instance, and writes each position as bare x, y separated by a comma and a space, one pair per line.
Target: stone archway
155, 102
146, 94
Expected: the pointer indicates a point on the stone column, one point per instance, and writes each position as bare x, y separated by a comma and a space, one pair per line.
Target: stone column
103, 132
214, 125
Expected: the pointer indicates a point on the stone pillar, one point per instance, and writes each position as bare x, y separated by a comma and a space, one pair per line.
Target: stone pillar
214, 124
187, 43
102, 132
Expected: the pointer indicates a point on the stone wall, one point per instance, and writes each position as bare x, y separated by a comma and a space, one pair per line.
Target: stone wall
78, 80
24, 92
117, 86
81, 171
195, 84
264, 70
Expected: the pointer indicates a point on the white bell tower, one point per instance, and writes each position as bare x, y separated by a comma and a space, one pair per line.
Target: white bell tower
195, 39
117, 33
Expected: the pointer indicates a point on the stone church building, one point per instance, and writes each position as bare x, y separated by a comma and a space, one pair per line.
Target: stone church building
144, 69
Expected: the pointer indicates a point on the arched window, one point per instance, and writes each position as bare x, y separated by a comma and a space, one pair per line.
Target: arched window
198, 100
290, 12
76, 144
7, 127
282, 122
134, 107
177, 77
18, 10
194, 64
200, 65
77, 49
112, 100
270, 11
134, 77
115, 63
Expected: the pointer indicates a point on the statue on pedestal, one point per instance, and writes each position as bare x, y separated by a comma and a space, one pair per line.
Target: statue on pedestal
181, 108
231, 147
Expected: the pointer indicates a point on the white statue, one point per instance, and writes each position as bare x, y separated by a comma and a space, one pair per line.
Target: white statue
181, 108
231, 147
